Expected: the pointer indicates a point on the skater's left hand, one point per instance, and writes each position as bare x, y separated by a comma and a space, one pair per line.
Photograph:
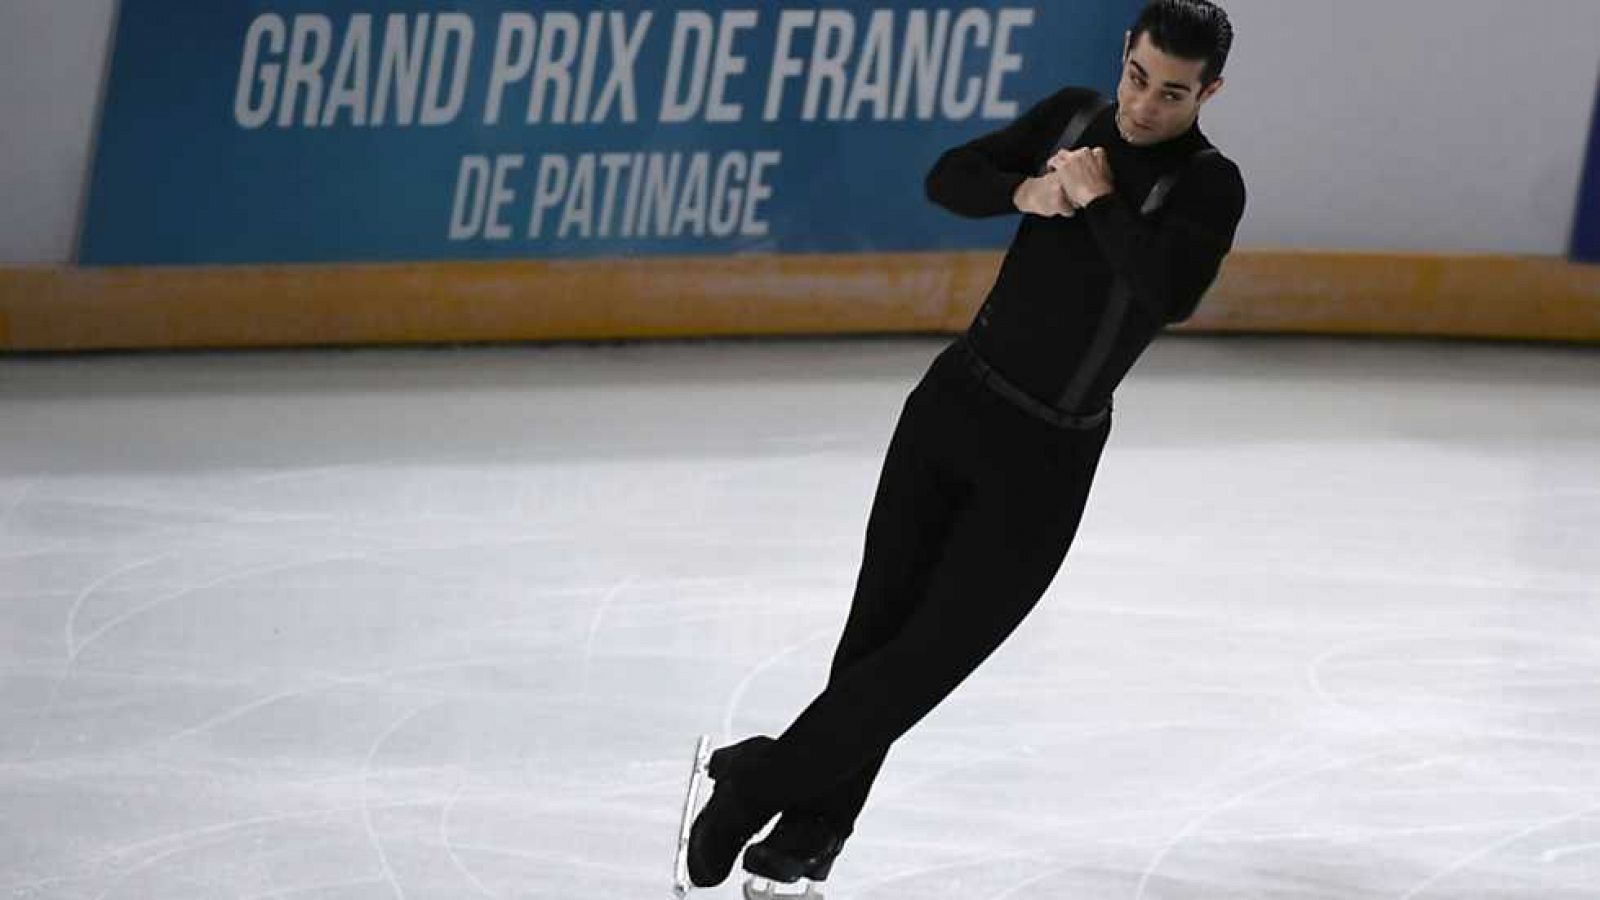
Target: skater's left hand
1085, 174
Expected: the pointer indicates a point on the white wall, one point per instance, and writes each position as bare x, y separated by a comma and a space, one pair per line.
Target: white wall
52, 54
1433, 125
1410, 124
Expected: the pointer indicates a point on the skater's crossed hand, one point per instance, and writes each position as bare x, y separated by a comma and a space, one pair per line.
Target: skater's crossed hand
1044, 196
1074, 180
1084, 174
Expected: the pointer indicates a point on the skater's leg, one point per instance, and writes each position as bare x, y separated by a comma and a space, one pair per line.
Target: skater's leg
910, 515
842, 805
1003, 552
913, 510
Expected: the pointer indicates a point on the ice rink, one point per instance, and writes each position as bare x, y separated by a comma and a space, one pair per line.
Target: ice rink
445, 624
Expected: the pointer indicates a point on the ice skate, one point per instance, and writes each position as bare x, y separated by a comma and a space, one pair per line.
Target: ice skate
731, 759
793, 860
729, 819
691, 806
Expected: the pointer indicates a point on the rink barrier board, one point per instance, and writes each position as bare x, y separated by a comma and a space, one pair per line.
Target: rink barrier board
1259, 291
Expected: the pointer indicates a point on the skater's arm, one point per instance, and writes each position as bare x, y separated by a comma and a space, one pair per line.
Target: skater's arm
980, 178
1170, 266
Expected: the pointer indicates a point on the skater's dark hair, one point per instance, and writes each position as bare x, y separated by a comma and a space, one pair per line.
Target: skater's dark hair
1191, 29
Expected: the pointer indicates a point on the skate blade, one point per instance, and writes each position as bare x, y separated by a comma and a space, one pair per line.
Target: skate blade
758, 888
691, 807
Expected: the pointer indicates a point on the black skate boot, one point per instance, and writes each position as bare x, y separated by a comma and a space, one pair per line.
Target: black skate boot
727, 761
801, 845
730, 819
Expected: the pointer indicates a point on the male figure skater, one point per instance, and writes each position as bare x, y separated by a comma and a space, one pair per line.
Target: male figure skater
989, 467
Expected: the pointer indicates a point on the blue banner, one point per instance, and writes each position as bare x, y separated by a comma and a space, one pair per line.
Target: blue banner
1586, 229
247, 131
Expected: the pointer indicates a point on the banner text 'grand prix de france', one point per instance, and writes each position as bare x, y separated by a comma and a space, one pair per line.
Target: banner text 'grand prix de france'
339, 131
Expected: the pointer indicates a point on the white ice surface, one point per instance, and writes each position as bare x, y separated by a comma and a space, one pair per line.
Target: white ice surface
445, 624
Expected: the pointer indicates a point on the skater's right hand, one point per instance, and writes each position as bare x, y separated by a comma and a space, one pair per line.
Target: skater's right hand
1044, 196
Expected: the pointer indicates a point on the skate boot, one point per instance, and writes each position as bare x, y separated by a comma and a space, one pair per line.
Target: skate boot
730, 818
727, 761
801, 846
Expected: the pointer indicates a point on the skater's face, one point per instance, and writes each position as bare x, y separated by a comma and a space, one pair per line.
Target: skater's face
1159, 95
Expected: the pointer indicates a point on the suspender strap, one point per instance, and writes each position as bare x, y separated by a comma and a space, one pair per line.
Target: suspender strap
1158, 194
1105, 338
1077, 126
1120, 302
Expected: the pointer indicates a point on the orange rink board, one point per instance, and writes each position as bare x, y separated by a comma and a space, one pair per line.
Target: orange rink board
66, 308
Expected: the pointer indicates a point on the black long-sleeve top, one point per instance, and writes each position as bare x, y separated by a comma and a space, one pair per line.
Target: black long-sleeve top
1054, 287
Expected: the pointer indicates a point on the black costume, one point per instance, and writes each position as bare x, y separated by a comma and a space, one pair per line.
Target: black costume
982, 490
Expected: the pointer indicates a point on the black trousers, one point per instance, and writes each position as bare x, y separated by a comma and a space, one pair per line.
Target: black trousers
975, 508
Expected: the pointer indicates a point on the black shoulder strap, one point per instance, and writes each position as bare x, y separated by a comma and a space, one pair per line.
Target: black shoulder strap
1117, 307
1158, 194
1077, 126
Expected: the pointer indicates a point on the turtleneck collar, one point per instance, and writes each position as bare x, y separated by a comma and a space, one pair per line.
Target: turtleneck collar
1183, 144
